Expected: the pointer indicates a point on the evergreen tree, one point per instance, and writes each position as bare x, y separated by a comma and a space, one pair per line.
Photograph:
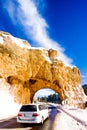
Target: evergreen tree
85, 88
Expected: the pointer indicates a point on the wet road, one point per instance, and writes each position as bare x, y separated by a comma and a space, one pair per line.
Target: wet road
12, 124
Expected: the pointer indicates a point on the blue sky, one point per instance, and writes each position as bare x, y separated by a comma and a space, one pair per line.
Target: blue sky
57, 24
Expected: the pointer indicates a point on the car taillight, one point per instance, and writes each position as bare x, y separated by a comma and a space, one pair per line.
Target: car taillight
36, 114
19, 114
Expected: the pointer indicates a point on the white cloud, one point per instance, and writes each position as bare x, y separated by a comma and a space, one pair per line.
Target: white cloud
84, 76
10, 7
44, 92
84, 79
35, 26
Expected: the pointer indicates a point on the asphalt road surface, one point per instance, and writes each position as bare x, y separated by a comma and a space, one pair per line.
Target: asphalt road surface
54, 122
13, 125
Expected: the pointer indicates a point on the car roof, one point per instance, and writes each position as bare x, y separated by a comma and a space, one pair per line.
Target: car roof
34, 104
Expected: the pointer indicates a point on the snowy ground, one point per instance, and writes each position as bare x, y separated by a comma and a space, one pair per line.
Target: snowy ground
65, 122
79, 113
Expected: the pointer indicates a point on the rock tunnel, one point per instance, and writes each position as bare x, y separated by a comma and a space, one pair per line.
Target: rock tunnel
24, 91
28, 70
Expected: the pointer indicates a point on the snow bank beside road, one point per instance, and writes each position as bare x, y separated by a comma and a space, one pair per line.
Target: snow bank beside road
79, 113
64, 122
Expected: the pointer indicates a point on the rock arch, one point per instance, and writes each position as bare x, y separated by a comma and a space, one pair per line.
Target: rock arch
24, 91
29, 69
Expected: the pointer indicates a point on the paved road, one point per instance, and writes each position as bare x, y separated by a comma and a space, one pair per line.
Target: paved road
52, 123
13, 125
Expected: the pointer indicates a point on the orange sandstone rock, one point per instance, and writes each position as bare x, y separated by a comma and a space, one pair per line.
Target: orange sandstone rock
29, 69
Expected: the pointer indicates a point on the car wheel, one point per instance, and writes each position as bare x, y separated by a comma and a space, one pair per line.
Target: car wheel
42, 120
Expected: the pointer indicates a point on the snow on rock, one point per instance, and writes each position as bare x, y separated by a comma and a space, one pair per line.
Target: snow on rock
8, 107
1, 40
19, 42
47, 58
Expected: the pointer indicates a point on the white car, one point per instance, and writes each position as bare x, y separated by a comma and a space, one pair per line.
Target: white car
33, 113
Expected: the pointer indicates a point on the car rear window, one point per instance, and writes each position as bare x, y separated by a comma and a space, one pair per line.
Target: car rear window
28, 108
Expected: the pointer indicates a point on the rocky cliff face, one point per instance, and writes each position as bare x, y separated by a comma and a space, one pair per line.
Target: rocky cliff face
29, 69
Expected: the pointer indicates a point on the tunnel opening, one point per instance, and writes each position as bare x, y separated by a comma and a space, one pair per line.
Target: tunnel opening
24, 92
47, 95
